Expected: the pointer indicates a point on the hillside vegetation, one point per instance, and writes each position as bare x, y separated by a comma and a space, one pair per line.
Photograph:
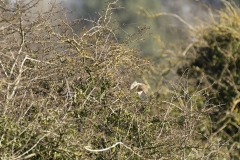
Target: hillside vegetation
67, 96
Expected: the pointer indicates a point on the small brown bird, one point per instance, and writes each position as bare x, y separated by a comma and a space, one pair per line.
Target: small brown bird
141, 89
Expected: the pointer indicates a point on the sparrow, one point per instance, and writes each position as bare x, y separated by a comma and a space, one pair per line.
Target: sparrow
141, 89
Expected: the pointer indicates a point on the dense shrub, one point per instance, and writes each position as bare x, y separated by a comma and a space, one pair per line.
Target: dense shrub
66, 95
55, 83
217, 64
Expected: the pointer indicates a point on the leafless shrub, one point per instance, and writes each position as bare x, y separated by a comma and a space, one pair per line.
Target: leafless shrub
66, 95
52, 80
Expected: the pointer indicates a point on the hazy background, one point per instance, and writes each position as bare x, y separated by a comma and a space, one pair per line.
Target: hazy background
164, 28
130, 19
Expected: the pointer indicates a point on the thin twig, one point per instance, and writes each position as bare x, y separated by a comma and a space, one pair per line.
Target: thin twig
105, 149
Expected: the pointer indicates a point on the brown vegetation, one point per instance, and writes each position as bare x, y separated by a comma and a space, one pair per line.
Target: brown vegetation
67, 96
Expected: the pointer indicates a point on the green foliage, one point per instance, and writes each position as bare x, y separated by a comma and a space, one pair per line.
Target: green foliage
217, 62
